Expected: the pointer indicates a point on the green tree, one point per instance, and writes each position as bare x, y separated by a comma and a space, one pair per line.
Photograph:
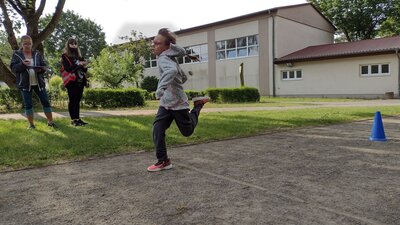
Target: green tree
5, 48
113, 67
25, 11
391, 26
89, 35
149, 83
123, 62
359, 19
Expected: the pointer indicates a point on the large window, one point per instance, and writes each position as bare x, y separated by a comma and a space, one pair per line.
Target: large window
201, 51
152, 62
237, 47
375, 70
292, 75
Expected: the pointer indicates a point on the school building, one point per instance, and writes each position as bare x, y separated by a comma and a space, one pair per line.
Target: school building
287, 51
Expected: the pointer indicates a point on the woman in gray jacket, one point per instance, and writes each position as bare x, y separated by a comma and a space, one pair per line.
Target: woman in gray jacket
174, 103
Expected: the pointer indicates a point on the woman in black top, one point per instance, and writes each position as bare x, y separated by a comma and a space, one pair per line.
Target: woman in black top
76, 66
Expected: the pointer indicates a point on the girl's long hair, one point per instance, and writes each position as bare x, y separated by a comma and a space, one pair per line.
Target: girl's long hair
67, 49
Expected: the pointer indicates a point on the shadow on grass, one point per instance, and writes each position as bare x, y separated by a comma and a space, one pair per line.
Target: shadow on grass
110, 135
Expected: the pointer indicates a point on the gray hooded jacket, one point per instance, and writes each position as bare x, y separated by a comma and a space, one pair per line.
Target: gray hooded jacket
169, 89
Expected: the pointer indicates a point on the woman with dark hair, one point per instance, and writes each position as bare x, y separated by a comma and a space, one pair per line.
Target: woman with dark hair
74, 68
28, 66
174, 104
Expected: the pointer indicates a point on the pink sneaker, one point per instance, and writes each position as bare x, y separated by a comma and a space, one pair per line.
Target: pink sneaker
200, 100
160, 165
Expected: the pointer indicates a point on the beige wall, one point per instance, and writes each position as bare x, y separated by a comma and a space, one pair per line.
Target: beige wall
198, 81
339, 77
291, 36
193, 39
235, 31
306, 14
228, 72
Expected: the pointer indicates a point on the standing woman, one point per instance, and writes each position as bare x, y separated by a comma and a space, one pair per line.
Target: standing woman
75, 78
28, 66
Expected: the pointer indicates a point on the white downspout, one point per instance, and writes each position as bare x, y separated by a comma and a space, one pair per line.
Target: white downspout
398, 71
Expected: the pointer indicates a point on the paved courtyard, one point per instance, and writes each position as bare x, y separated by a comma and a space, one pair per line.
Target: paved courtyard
319, 175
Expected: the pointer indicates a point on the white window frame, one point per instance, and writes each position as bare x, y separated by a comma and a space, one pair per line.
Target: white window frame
189, 50
236, 48
370, 74
152, 59
296, 71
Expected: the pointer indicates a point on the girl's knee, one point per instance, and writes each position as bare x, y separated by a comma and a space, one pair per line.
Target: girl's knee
187, 133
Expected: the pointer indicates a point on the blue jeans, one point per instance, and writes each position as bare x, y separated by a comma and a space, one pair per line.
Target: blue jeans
44, 100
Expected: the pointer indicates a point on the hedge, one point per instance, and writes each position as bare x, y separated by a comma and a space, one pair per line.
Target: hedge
111, 98
10, 98
243, 94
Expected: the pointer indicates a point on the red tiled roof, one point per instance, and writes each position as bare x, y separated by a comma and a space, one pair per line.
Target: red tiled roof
346, 49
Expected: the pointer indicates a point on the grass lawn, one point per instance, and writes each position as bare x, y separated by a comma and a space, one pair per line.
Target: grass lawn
21, 148
264, 101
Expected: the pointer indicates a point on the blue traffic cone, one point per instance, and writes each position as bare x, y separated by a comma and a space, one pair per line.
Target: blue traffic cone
377, 132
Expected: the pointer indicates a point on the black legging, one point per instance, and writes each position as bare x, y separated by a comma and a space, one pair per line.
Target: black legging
75, 92
185, 120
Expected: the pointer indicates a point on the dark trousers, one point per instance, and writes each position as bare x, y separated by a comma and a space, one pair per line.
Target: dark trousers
75, 92
185, 120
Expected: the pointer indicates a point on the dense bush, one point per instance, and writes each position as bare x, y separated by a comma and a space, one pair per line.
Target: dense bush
57, 92
243, 94
150, 95
10, 98
149, 83
110, 98
191, 94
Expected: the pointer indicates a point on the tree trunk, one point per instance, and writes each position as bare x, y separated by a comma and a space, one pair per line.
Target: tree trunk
6, 75
31, 17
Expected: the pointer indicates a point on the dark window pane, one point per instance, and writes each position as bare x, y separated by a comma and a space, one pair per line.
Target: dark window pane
180, 60
385, 68
153, 63
364, 70
253, 40
188, 50
253, 51
374, 69
221, 55
147, 64
242, 42
231, 43
291, 74
242, 52
231, 53
284, 75
220, 45
298, 74
187, 60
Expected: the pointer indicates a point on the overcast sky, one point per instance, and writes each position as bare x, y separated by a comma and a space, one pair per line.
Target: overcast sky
119, 17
